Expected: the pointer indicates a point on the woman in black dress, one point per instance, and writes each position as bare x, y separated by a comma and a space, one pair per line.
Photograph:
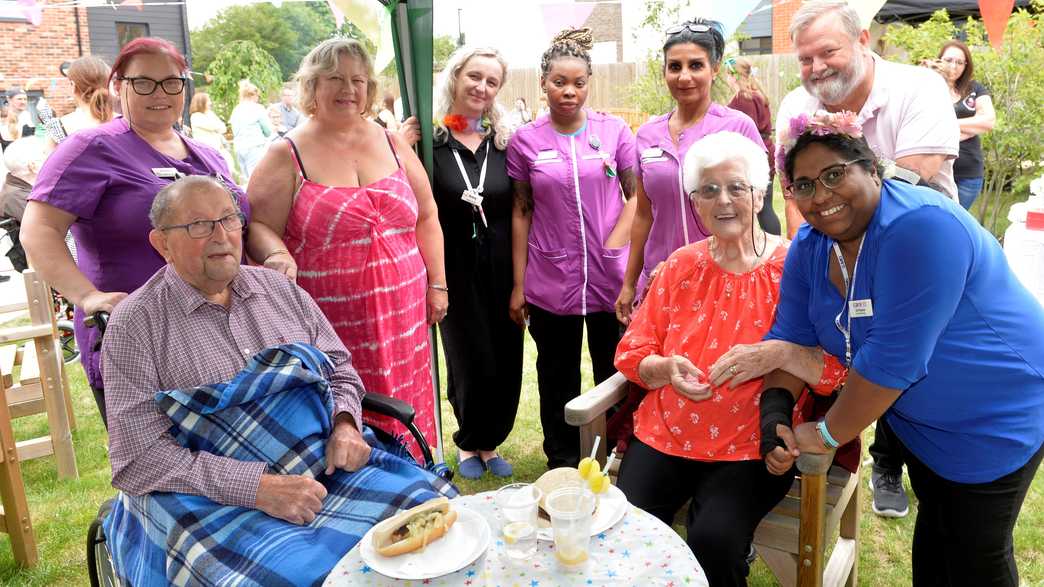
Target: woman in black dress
473, 193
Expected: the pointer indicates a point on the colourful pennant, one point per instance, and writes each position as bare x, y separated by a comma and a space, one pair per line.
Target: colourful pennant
995, 15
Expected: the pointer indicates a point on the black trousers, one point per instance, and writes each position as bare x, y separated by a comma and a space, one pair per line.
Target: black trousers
963, 531
886, 449
483, 349
558, 340
729, 499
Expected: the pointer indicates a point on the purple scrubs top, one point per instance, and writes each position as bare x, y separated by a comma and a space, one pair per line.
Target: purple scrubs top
104, 177
576, 204
660, 171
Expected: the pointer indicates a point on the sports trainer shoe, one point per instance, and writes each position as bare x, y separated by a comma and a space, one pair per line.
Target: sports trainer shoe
890, 499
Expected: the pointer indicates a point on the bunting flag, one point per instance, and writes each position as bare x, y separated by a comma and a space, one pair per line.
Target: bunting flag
867, 10
133, 4
730, 13
995, 15
558, 17
372, 19
31, 10
337, 14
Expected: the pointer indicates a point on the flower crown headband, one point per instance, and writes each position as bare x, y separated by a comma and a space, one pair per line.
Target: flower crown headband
821, 123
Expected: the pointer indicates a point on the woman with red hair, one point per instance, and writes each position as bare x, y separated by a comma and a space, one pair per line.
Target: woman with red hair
101, 181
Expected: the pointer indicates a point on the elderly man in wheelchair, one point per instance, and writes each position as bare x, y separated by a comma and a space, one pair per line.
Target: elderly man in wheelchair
267, 478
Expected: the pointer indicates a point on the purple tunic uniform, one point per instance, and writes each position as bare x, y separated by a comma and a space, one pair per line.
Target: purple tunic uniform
576, 203
659, 169
104, 176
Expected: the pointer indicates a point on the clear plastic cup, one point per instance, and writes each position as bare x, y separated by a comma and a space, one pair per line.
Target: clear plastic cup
518, 508
571, 510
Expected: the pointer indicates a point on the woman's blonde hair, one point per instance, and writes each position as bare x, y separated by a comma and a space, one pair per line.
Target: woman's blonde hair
13, 128
745, 80
247, 89
200, 100
322, 60
90, 79
446, 89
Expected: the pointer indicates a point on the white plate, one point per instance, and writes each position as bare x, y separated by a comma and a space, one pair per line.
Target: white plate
466, 540
611, 509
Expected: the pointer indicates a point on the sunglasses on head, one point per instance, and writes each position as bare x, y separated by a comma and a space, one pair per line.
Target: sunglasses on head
697, 26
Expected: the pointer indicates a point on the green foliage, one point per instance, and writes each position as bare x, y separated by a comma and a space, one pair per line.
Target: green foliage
241, 60
287, 33
1015, 76
443, 47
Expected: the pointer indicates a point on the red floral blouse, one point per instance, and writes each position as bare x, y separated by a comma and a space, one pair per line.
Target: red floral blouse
696, 309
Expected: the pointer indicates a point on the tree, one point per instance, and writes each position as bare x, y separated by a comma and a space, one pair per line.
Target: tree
241, 60
443, 47
287, 33
1015, 76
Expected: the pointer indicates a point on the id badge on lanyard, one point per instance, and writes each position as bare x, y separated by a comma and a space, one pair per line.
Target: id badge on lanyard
473, 195
856, 308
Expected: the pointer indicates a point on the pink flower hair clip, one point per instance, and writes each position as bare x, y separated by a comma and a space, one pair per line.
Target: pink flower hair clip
820, 123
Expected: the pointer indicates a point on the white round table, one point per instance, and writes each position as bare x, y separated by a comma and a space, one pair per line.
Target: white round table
639, 550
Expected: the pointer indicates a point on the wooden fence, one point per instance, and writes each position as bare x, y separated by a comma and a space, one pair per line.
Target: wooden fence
777, 75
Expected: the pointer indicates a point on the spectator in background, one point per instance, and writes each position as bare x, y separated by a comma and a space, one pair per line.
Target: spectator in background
275, 118
207, 126
386, 115
520, 114
289, 113
974, 108
750, 99
94, 103
23, 159
19, 122
251, 128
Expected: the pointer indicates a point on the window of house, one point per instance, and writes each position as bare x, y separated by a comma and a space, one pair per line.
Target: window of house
128, 31
756, 46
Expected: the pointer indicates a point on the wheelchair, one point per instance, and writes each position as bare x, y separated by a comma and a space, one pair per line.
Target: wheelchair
99, 562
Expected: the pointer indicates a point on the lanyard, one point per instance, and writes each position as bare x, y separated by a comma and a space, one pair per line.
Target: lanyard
849, 292
475, 193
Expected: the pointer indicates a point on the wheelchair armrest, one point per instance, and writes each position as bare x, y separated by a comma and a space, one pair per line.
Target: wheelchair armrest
389, 406
583, 409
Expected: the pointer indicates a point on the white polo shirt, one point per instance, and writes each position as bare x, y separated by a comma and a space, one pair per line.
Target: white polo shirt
908, 112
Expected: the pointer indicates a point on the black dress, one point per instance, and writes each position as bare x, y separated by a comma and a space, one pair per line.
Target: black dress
483, 346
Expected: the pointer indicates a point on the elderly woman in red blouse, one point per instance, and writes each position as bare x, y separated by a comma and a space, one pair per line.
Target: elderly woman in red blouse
697, 431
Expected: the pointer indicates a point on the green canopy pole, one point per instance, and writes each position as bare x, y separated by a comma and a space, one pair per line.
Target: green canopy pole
411, 24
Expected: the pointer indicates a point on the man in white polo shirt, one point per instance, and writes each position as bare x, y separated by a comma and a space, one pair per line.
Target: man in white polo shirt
907, 118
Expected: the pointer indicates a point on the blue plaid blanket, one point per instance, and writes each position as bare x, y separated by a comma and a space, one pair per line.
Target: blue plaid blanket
277, 410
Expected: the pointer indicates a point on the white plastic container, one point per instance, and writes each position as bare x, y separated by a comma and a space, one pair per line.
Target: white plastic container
1024, 248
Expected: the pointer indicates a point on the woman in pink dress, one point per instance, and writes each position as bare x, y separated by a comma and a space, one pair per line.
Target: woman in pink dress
360, 229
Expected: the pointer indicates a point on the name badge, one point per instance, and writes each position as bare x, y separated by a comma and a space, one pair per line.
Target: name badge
472, 197
861, 308
652, 152
545, 155
167, 173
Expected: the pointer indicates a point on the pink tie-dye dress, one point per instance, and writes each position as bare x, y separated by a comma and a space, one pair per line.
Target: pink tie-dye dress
356, 253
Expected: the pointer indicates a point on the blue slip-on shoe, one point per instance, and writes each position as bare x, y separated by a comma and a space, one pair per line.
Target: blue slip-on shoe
471, 468
499, 467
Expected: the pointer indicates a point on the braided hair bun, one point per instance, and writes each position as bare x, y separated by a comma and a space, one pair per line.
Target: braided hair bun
569, 43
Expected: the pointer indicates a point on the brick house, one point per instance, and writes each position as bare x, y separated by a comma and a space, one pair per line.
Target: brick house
30, 55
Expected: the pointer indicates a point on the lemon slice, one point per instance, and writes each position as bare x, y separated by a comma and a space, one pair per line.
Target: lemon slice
516, 531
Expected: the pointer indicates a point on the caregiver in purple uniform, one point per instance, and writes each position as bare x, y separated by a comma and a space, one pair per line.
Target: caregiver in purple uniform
663, 220
572, 171
101, 183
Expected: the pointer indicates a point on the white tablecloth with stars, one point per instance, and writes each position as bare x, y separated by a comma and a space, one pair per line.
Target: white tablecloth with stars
639, 550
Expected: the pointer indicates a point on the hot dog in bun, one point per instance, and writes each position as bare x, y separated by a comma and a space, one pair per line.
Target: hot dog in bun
414, 528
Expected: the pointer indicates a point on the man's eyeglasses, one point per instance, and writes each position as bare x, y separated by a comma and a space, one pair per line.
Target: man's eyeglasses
205, 228
696, 27
711, 191
831, 177
146, 86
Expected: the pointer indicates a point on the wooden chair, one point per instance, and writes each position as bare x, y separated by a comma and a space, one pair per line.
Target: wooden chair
40, 385
791, 539
14, 516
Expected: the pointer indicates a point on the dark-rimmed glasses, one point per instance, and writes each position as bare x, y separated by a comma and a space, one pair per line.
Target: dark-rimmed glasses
696, 27
831, 177
146, 86
205, 228
711, 191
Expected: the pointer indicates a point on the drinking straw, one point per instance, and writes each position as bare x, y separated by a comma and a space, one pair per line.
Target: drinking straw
594, 449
